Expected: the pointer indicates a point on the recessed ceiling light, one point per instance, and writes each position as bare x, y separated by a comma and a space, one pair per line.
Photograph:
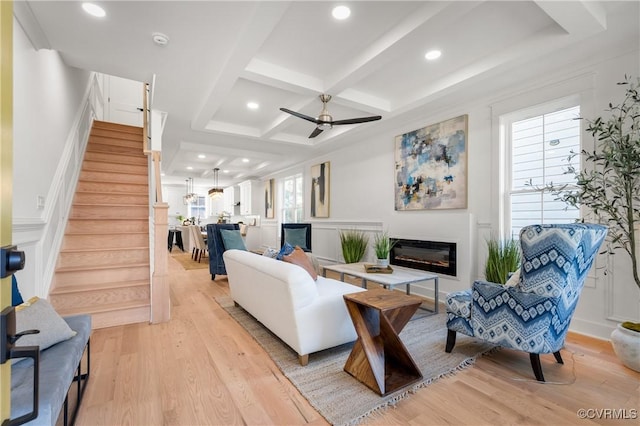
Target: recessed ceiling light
253, 105
225, 171
202, 156
245, 160
189, 168
433, 54
94, 10
341, 12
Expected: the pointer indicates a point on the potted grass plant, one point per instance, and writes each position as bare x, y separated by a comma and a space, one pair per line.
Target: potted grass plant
382, 246
503, 258
609, 186
354, 245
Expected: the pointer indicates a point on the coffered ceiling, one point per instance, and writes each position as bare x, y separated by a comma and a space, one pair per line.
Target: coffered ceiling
222, 55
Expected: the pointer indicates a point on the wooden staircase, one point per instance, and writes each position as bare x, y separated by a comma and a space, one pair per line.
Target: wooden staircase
103, 265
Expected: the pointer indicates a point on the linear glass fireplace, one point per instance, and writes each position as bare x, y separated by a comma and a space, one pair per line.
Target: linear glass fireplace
433, 256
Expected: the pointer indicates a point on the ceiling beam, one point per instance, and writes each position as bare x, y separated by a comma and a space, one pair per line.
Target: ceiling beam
579, 18
257, 28
377, 54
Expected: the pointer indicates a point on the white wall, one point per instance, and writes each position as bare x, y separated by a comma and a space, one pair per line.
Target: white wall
48, 96
362, 189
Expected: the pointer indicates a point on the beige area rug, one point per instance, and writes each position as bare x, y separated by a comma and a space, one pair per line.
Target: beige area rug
340, 398
187, 263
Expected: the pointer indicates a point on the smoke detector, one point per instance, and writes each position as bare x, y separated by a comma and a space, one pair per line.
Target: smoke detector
160, 39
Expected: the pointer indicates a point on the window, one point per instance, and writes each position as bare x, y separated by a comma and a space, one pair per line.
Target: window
197, 209
539, 144
292, 207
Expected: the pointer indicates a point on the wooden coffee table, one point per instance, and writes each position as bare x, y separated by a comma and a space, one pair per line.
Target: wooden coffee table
379, 359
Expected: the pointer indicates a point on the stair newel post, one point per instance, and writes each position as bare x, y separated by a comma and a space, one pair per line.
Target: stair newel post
160, 299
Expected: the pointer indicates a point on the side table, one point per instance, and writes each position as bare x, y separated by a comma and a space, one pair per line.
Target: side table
379, 359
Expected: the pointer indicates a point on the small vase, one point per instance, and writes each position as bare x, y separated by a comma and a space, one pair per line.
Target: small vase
626, 345
383, 263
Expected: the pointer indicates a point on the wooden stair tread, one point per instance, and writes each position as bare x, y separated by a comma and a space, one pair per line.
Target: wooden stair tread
113, 307
97, 250
97, 287
106, 232
84, 191
114, 218
103, 205
117, 127
102, 267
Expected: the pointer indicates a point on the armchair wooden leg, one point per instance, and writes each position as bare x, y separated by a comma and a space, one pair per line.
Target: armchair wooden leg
451, 341
537, 368
558, 357
213, 277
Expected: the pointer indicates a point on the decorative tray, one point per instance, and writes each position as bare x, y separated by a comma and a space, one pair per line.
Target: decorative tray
375, 269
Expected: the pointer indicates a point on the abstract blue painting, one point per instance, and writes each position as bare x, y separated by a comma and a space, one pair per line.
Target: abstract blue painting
431, 167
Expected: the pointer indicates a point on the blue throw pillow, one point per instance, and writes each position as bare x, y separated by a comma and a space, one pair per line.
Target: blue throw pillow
16, 297
286, 250
232, 239
296, 237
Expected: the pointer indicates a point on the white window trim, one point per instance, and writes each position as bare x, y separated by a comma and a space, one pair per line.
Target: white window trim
581, 86
281, 192
505, 122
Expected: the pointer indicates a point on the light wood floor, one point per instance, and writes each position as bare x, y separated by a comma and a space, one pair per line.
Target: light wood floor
202, 368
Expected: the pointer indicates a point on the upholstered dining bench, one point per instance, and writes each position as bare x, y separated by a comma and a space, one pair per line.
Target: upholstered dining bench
60, 366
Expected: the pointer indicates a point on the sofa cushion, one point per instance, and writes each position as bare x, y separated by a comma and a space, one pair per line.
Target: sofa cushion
38, 314
58, 366
514, 279
285, 250
232, 239
299, 257
270, 252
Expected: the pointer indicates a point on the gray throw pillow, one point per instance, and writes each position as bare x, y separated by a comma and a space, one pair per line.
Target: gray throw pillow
38, 314
232, 239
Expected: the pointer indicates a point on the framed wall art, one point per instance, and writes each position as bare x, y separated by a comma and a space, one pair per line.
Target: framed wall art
320, 190
431, 167
269, 206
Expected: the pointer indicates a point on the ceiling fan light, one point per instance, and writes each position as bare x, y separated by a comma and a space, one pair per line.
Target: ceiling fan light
341, 12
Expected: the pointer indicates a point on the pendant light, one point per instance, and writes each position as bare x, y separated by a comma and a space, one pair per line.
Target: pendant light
190, 196
215, 193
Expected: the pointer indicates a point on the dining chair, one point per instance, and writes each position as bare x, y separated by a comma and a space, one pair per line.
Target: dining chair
216, 247
201, 246
296, 234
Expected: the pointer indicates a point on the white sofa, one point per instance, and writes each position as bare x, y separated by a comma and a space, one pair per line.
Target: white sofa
307, 315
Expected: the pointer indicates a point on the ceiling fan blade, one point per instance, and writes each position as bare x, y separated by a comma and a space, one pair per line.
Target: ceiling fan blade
357, 120
315, 132
297, 114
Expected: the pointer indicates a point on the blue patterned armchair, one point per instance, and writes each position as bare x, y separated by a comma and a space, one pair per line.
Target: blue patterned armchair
533, 316
215, 245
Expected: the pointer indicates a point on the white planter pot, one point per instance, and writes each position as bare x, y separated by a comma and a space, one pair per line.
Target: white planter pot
626, 345
383, 263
